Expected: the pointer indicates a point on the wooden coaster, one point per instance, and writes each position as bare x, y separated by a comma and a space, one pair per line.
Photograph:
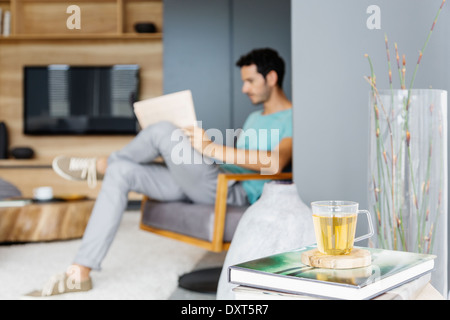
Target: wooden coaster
356, 259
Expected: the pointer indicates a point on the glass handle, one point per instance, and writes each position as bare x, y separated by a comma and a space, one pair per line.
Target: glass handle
371, 232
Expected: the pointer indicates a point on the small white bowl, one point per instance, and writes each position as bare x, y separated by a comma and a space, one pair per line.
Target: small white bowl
43, 193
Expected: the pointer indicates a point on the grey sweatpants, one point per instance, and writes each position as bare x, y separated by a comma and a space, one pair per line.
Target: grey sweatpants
130, 169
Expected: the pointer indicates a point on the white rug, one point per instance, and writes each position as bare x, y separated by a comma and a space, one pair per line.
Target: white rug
139, 265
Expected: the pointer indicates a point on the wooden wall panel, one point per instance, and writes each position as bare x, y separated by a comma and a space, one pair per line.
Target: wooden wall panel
36, 18
16, 54
39, 36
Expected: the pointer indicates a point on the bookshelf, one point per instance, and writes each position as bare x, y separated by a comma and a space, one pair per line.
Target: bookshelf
100, 19
40, 36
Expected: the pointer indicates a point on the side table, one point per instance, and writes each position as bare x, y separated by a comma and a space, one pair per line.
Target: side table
45, 221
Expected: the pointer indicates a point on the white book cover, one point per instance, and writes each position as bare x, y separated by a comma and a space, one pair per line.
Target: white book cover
177, 108
14, 202
408, 291
6, 23
285, 272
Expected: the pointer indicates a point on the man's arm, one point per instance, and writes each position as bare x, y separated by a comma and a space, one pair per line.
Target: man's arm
267, 162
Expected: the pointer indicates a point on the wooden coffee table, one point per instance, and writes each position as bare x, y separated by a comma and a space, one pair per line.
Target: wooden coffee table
45, 221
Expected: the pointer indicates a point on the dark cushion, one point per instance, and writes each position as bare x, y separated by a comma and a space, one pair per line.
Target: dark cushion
191, 219
7, 190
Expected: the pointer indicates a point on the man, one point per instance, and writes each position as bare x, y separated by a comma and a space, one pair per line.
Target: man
265, 146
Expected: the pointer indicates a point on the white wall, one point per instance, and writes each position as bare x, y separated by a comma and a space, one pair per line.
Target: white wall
331, 115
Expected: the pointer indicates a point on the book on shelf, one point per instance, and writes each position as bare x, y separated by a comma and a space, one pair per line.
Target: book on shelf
6, 23
14, 202
1, 21
284, 272
408, 291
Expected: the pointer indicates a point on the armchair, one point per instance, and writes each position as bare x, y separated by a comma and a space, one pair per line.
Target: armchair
208, 226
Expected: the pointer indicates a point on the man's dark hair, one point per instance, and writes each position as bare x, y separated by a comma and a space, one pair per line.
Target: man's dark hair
266, 60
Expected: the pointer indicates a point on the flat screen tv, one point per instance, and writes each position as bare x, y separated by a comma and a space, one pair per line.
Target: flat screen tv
65, 99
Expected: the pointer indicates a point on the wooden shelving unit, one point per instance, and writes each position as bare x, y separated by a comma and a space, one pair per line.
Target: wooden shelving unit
100, 19
105, 36
39, 36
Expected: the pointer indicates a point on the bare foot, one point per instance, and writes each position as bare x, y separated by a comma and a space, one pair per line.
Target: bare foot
102, 164
78, 271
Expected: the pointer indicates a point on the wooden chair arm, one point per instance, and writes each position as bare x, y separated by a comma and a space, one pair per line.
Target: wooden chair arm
217, 244
222, 195
256, 176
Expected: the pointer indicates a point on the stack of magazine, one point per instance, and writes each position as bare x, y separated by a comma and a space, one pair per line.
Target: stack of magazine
392, 275
14, 202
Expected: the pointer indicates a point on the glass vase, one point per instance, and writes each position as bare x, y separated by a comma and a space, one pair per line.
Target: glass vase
408, 174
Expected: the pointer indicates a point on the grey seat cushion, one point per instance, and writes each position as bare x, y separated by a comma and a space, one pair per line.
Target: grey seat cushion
191, 219
7, 190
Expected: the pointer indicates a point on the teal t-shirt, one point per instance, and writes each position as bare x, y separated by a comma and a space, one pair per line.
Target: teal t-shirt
261, 132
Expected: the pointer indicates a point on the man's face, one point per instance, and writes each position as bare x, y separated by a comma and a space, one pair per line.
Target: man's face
254, 84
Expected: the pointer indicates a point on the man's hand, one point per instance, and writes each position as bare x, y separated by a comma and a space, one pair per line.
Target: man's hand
266, 162
199, 139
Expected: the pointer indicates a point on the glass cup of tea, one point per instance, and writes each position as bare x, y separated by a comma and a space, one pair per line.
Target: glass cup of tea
335, 226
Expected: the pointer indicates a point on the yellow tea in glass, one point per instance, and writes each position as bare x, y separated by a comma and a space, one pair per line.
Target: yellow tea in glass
335, 226
335, 235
